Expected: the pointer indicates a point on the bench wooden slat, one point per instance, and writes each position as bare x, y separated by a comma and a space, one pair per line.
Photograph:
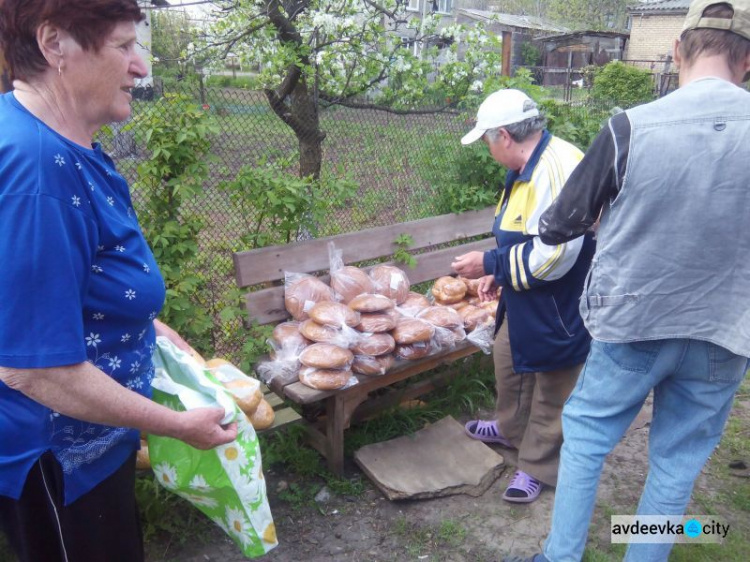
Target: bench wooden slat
267, 305
268, 264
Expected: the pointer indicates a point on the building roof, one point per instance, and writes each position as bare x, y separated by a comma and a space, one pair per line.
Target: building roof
660, 6
511, 20
575, 34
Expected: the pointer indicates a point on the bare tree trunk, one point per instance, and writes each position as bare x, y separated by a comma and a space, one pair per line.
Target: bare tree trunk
305, 111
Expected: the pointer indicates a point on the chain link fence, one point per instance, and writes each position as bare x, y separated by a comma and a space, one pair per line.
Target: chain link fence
399, 163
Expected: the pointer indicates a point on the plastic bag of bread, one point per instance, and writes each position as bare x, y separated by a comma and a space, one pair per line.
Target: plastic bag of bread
303, 291
371, 302
414, 304
347, 281
483, 337
414, 351
391, 281
326, 379
442, 316
372, 366
334, 314
448, 290
376, 322
472, 286
245, 390
412, 330
374, 344
230, 475
286, 335
326, 356
474, 316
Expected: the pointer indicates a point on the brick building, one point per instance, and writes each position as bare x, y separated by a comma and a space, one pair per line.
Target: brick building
654, 25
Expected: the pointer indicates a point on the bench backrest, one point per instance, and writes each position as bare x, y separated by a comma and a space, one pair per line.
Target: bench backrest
267, 265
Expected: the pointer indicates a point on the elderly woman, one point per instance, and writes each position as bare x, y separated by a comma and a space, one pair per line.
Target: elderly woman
541, 342
80, 290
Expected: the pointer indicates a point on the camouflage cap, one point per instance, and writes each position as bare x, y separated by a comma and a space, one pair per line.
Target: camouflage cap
739, 23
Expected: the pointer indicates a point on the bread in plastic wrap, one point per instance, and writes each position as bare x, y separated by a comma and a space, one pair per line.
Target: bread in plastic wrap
302, 292
391, 281
326, 356
376, 322
374, 344
448, 290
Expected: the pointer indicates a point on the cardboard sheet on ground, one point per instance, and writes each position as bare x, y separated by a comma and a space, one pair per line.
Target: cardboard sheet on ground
439, 460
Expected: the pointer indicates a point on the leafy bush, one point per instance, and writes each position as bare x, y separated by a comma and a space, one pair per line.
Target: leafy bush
474, 183
279, 206
577, 124
177, 134
623, 84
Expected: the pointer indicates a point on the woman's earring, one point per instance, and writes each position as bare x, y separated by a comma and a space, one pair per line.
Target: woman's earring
59, 68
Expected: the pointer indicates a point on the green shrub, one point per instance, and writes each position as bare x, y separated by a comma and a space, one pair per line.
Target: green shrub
177, 134
623, 84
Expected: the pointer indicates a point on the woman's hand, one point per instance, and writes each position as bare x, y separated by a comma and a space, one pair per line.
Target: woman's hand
470, 265
203, 430
163, 330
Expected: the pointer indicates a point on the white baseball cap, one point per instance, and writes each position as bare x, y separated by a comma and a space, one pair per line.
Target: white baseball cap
501, 108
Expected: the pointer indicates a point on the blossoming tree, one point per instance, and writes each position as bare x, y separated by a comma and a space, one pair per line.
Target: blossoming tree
350, 53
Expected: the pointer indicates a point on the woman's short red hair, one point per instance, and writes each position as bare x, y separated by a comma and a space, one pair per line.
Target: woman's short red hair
88, 21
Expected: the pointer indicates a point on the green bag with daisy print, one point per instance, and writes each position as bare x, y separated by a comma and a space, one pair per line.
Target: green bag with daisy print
225, 483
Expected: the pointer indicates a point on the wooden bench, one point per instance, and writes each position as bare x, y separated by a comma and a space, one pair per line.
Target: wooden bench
262, 271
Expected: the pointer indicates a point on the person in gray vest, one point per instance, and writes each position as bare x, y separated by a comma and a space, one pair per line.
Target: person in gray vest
667, 300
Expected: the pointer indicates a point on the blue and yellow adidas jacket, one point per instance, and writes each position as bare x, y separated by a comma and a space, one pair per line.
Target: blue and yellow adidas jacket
541, 284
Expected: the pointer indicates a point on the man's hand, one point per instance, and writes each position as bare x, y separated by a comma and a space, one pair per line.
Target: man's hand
469, 265
487, 289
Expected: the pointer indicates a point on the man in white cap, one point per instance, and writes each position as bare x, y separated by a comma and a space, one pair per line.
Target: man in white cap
668, 298
540, 343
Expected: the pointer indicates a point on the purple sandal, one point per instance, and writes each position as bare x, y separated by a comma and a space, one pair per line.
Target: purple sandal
523, 488
487, 432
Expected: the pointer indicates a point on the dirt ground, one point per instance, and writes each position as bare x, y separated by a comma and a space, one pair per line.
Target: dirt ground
461, 528
456, 528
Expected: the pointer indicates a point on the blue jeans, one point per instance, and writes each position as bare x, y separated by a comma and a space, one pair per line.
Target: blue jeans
694, 384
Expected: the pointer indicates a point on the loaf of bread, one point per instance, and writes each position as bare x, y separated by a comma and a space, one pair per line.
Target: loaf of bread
414, 303
474, 316
142, 460
414, 351
372, 366
374, 344
371, 302
442, 316
448, 290
313, 331
349, 282
458, 305
335, 314
263, 416
391, 282
216, 362
376, 322
490, 307
412, 330
246, 393
326, 356
302, 294
472, 286
324, 379
287, 334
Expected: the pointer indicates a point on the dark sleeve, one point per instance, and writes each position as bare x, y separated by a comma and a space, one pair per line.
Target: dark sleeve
595, 180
